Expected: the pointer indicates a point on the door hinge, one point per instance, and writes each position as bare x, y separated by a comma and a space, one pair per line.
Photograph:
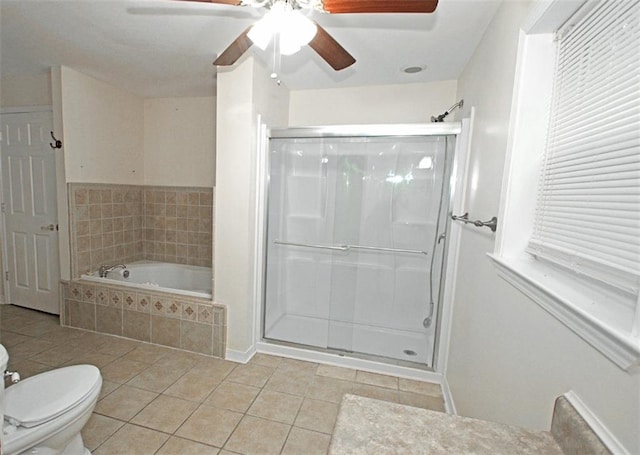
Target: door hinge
6, 276
2, 206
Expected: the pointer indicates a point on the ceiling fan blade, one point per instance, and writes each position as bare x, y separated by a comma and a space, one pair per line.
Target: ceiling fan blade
379, 6
235, 50
330, 50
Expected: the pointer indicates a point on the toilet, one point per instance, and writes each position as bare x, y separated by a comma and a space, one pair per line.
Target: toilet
45, 413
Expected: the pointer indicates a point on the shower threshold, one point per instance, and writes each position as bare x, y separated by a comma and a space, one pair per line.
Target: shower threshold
358, 361
391, 346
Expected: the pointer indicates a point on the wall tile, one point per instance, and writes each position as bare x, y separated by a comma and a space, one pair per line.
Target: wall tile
81, 196
82, 228
125, 223
189, 311
165, 331
63, 291
196, 337
173, 309
94, 196
219, 312
89, 293
143, 302
109, 320
205, 314
136, 325
204, 330
116, 298
106, 195
219, 341
129, 300
75, 291
82, 315
102, 295
169, 214
159, 305
95, 212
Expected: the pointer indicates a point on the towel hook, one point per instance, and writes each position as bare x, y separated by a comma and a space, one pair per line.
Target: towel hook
57, 144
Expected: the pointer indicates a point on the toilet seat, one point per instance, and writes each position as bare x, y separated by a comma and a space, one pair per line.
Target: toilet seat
44, 397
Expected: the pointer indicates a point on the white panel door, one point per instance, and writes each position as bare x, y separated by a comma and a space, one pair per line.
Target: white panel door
30, 211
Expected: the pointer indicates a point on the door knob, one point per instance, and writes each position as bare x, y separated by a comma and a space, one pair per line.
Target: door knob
48, 227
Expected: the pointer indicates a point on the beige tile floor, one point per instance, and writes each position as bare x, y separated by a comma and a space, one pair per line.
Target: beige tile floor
162, 401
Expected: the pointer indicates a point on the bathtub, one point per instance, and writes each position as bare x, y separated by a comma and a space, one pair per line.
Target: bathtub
160, 276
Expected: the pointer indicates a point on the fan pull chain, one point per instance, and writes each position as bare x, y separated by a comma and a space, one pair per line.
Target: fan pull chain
275, 63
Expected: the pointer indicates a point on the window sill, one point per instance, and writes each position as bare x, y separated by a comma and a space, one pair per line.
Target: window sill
612, 338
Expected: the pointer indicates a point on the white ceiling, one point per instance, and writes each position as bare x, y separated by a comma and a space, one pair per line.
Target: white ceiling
166, 48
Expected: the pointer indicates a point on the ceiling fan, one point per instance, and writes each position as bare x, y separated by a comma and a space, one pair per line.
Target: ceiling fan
293, 30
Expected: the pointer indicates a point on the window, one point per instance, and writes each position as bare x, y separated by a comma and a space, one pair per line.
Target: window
588, 208
573, 246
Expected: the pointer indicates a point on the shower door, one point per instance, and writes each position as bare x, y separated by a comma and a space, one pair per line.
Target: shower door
353, 259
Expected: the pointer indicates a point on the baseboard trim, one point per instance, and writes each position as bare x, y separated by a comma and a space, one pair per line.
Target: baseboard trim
607, 438
240, 356
449, 404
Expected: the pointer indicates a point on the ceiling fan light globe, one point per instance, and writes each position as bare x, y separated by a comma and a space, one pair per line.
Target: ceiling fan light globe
296, 32
302, 27
288, 44
267, 27
261, 33
294, 29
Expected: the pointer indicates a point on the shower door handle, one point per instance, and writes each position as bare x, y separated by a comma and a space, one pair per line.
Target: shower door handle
389, 250
349, 247
311, 245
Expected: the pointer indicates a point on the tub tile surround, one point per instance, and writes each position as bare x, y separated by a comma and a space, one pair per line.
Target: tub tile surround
157, 400
178, 225
189, 323
106, 225
126, 223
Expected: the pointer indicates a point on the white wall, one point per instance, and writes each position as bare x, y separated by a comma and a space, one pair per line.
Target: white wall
114, 136
179, 141
243, 93
64, 240
406, 103
509, 359
25, 90
103, 131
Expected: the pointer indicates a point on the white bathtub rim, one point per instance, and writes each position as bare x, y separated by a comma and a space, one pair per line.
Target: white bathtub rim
148, 287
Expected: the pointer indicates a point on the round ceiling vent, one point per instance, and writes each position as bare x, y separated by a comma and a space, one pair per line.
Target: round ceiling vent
413, 69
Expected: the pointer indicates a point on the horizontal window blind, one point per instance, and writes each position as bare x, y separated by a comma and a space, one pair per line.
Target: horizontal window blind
588, 207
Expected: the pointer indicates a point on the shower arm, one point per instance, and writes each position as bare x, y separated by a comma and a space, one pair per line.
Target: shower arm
441, 117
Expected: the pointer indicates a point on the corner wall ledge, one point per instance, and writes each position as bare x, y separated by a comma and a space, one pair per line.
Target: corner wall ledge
621, 348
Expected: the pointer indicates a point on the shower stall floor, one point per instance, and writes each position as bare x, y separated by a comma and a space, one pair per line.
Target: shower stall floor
342, 336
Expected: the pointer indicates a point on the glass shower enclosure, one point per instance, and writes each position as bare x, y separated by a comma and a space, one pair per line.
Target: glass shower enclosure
355, 240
